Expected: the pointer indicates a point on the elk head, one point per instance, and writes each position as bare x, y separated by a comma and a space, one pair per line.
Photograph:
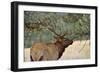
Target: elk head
62, 43
60, 40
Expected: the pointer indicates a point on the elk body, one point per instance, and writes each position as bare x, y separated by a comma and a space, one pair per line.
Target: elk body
49, 51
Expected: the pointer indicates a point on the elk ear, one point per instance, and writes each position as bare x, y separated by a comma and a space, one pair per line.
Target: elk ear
60, 40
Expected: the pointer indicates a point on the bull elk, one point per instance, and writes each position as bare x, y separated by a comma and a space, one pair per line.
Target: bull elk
50, 51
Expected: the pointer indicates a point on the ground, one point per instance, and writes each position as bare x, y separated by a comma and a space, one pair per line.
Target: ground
74, 51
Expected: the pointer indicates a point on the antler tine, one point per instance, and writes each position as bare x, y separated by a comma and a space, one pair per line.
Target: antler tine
64, 34
49, 28
53, 31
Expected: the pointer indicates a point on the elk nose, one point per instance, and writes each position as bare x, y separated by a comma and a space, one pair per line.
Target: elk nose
71, 42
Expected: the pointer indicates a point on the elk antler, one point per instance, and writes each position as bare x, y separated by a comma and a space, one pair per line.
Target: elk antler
53, 31
64, 34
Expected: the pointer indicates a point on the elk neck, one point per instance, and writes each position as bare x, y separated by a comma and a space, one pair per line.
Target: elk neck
62, 45
61, 48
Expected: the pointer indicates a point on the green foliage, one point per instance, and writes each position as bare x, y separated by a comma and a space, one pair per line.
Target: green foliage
43, 26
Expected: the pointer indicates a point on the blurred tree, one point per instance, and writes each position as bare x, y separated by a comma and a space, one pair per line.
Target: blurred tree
73, 26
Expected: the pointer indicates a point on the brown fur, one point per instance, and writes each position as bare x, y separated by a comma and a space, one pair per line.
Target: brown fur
49, 51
